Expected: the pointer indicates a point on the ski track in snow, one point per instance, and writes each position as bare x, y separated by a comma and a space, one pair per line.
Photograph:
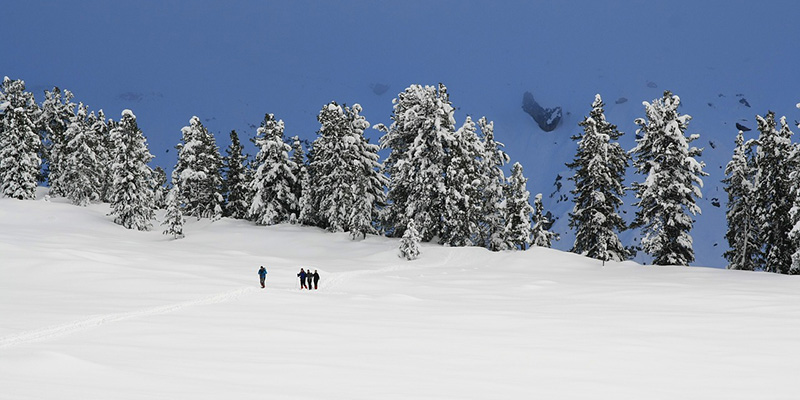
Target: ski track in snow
52, 332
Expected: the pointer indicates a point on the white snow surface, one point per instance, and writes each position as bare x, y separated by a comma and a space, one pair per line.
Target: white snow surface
91, 310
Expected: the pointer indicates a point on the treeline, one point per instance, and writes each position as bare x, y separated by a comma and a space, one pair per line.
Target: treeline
439, 183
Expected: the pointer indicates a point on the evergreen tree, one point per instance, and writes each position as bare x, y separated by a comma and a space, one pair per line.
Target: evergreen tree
345, 185
173, 219
368, 182
541, 235
81, 170
409, 244
58, 113
20, 144
197, 172
102, 129
667, 196
160, 190
273, 200
298, 158
132, 189
494, 199
518, 212
599, 170
237, 180
464, 181
742, 232
773, 197
422, 127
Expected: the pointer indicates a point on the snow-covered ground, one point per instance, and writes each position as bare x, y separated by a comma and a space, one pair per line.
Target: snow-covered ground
89, 310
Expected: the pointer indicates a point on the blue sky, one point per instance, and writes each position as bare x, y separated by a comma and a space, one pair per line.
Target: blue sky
231, 62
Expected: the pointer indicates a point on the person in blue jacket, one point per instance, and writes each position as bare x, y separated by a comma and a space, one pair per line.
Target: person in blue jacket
302, 276
262, 273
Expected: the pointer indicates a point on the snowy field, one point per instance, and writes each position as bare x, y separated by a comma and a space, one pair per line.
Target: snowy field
89, 310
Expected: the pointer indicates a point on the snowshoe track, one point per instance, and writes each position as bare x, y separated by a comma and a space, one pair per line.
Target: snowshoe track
52, 332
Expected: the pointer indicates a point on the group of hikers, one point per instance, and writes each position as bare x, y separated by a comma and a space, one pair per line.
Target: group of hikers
307, 278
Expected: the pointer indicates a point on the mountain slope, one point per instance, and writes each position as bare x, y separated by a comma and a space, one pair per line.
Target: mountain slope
91, 310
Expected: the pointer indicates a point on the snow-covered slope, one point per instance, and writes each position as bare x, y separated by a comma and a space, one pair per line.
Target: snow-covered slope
90, 310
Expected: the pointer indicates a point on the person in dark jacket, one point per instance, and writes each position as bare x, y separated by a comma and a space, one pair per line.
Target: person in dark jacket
316, 279
302, 276
309, 277
262, 273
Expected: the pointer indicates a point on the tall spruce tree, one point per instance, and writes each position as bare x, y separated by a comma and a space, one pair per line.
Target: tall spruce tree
773, 194
58, 113
299, 159
273, 200
81, 170
102, 128
132, 190
197, 172
345, 186
742, 234
237, 179
599, 170
494, 183
464, 181
422, 127
518, 212
673, 174
20, 144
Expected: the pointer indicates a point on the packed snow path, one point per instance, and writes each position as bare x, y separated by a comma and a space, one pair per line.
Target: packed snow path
98, 320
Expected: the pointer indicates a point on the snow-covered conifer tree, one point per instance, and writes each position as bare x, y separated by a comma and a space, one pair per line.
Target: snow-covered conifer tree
668, 195
518, 212
273, 200
599, 170
197, 172
132, 190
160, 188
299, 158
541, 235
422, 127
173, 219
465, 177
20, 144
345, 185
58, 113
773, 194
409, 243
494, 201
105, 150
81, 166
368, 181
742, 232
237, 180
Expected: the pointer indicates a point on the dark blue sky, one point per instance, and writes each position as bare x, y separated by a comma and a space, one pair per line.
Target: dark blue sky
231, 62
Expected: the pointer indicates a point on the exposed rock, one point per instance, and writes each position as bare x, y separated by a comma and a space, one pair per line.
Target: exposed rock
713, 144
742, 127
715, 202
621, 100
744, 101
546, 118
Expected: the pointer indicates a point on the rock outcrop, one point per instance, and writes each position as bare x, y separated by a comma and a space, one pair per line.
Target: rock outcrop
546, 118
